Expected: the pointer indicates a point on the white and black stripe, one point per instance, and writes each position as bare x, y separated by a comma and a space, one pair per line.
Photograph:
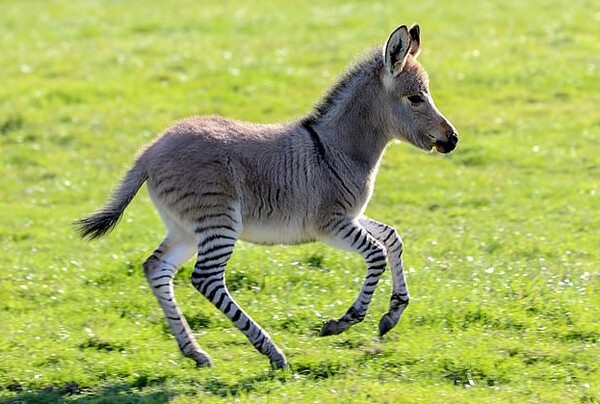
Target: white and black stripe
160, 275
400, 298
208, 278
354, 237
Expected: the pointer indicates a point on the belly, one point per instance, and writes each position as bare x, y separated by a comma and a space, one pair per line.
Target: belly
275, 233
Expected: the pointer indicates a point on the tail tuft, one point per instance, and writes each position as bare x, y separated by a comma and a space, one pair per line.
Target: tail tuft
97, 224
107, 217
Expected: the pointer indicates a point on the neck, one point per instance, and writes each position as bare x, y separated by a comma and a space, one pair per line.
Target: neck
355, 131
348, 118
360, 140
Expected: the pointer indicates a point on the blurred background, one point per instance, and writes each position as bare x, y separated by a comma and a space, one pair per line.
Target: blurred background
502, 237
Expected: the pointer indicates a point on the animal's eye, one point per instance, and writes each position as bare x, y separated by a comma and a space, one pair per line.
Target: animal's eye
416, 99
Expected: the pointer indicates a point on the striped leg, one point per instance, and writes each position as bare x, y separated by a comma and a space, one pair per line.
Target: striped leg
160, 268
400, 298
216, 242
351, 236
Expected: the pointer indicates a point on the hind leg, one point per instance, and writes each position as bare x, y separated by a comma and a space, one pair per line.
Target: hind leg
160, 268
217, 233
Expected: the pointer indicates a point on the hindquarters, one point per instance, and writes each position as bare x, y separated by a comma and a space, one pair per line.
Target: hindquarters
197, 183
192, 198
191, 178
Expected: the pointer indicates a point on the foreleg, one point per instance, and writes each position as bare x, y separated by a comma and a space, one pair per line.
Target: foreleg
400, 298
352, 236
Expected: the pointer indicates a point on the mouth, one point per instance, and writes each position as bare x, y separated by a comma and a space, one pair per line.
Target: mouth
444, 147
429, 142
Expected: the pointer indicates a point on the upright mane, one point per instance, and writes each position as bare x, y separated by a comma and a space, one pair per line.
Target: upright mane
341, 92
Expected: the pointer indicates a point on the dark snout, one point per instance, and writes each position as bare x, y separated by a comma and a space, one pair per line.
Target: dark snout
449, 141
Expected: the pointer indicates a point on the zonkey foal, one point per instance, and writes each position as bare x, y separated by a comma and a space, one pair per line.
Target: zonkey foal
215, 181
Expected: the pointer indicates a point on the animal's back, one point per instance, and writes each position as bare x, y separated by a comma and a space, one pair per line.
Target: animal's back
199, 139
205, 162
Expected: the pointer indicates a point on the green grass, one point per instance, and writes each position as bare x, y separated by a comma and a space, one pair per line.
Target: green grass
502, 237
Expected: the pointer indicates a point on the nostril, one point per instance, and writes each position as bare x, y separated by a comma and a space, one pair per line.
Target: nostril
452, 135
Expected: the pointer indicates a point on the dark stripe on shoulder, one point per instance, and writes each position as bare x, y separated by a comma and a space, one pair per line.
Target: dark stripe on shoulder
307, 124
314, 136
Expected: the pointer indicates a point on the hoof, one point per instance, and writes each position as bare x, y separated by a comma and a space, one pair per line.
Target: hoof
277, 357
385, 324
332, 327
205, 364
278, 360
280, 364
391, 318
202, 359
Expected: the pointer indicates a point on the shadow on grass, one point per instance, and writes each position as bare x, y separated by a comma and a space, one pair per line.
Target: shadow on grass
312, 371
248, 385
116, 393
145, 390
137, 392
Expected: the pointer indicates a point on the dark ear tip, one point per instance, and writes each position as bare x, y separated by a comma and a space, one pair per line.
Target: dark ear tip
401, 27
415, 32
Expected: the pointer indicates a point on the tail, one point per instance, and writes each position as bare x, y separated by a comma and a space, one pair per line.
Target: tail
107, 217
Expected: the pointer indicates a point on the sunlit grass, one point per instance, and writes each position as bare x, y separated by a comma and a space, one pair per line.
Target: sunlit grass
501, 237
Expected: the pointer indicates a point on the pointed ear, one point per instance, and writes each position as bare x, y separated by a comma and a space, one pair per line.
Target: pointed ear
415, 40
396, 50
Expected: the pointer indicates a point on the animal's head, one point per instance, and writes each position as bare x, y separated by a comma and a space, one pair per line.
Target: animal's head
414, 116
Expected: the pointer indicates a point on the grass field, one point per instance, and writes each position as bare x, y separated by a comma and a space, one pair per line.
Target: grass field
502, 238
